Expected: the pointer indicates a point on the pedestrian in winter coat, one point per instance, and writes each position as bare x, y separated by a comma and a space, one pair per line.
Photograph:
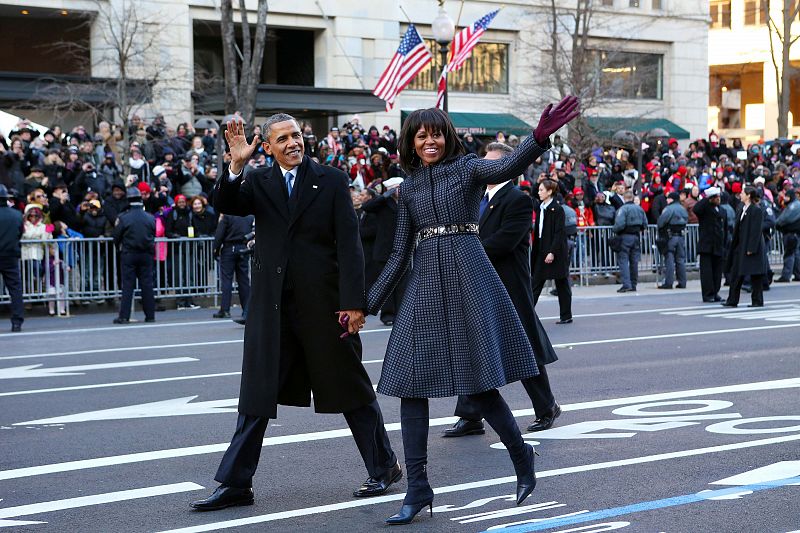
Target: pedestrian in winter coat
747, 249
457, 331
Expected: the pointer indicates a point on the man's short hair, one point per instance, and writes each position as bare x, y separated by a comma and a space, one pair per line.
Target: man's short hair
627, 195
499, 147
274, 119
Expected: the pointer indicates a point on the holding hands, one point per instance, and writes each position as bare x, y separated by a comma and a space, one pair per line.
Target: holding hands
554, 118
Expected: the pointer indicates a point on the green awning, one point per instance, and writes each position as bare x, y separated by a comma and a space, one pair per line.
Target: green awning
607, 126
485, 124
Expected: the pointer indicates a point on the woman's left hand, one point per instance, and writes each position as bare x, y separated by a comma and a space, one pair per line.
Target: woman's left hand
550, 258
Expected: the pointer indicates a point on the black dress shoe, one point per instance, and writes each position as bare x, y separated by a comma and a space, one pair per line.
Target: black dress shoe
241, 321
16, 328
680, 286
221, 314
624, 289
756, 305
565, 321
546, 420
388, 322
717, 299
121, 320
465, 427
224, 497
151, 319
726, 304
782, 280
375, 486
408, 512
709, 300
664, 286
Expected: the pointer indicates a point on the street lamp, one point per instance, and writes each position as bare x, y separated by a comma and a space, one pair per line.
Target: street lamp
443, 29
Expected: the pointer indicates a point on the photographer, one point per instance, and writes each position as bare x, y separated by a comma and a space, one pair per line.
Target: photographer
230, 248
90, 180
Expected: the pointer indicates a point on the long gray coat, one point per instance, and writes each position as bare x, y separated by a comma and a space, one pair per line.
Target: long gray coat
457, 331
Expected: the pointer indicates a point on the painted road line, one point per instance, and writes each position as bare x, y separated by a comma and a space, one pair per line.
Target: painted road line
97, 499
352, 504
35, 371
170, 453
117, 384
123, 349
110, 328
685, 499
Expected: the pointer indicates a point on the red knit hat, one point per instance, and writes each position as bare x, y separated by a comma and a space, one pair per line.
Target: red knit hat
736, 188
144, 187
577, 190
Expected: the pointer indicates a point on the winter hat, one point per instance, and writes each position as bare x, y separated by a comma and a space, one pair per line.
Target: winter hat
736, 188
158, 170
713, 191
32, 206
95, 203
118, 184
133, 193
577, 190
179, 197
144, 187
760, 180
4, 192
674, 196
392, 182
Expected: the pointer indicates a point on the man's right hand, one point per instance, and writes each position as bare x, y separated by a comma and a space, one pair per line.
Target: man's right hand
240, 150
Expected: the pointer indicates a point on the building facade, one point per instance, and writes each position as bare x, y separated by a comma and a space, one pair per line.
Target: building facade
743, 97
324, 57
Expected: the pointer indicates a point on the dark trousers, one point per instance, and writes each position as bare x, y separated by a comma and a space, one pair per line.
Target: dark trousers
675, 261
757, 296
628, 260
230, 263
710, 275
9, 269
239, 463
791, 256
537, 387
137, 265
564, 296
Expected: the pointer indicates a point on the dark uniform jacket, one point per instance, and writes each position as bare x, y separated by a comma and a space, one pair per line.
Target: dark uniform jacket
505, 230
10, 231
315, 249
712, 228
746, 257
553, 240
231, 230
385, 210
135, 231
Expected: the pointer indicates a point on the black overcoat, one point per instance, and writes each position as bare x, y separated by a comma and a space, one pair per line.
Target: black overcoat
316, 249
746, 256
712, 227
553, 240
384, 208
505, 230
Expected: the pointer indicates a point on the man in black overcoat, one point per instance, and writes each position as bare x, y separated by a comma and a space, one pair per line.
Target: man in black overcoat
505, 228
713, 229
307, 276
746, 256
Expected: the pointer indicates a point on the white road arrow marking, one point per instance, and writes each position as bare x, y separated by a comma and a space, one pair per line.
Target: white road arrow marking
17, 523
97, 499
35, 371
174, 407
764, 474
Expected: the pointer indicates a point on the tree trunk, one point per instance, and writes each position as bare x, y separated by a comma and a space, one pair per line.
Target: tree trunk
785, 74
229, 58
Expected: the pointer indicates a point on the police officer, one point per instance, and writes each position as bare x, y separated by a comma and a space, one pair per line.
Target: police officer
135, 234
230, 246
711, 242
672, 222
10, 234
789, 225
629, 222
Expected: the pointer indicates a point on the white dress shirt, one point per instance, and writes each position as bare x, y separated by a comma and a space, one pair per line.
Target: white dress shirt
542, 207
232, 176
493, 190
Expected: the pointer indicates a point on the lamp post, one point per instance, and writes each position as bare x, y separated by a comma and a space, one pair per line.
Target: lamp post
443, 29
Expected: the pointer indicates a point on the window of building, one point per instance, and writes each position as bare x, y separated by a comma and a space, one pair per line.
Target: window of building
755, 12
608, 3
634, 3
628, 75
656, 4
720, 11
486, 71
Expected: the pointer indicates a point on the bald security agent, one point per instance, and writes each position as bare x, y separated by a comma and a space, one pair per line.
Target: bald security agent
504, 226
135, 234
10, 234
308, 267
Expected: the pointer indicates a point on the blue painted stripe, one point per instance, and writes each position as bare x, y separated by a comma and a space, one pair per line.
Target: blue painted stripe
645, 506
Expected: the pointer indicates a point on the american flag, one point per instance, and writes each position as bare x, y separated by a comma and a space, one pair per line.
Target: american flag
410, 58
462, 47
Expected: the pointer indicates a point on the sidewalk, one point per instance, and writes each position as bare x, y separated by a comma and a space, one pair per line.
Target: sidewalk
609, 290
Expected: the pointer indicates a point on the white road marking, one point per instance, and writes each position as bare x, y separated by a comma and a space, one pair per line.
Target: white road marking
351, 504
774, 313
34, 371
124, 349
173, 407
17, 523
111, 328
764, 474
117, 384
97, 499
113, 460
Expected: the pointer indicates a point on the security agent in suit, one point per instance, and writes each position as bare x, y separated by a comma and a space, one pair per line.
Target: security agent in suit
713, 234
10, 234
505, 229
629, 222
135, 233
230, 246
308, 267
672, 223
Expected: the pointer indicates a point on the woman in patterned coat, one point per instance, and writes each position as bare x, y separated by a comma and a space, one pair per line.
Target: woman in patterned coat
457, 331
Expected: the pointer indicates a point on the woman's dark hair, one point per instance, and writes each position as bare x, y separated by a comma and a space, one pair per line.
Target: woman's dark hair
550, 185
752, 192
432, 120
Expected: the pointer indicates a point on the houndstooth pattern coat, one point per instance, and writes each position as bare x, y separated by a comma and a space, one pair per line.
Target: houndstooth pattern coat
457, 331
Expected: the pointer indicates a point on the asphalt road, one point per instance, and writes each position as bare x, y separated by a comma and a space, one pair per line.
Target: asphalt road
678, 417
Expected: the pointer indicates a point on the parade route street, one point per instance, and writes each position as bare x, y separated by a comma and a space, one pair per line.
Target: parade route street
677, 416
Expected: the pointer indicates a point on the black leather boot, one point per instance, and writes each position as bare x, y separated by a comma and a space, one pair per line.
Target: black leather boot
414, 424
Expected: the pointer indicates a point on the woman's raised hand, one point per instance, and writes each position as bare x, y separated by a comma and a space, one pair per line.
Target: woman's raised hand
554, 118
238, 147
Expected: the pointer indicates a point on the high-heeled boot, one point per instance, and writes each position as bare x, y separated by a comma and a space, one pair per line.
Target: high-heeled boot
414, 424
499, 416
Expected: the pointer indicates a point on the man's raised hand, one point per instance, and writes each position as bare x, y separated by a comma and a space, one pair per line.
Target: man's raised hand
239, 149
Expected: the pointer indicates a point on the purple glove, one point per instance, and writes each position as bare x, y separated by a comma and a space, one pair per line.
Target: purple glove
344, 321
554, 118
